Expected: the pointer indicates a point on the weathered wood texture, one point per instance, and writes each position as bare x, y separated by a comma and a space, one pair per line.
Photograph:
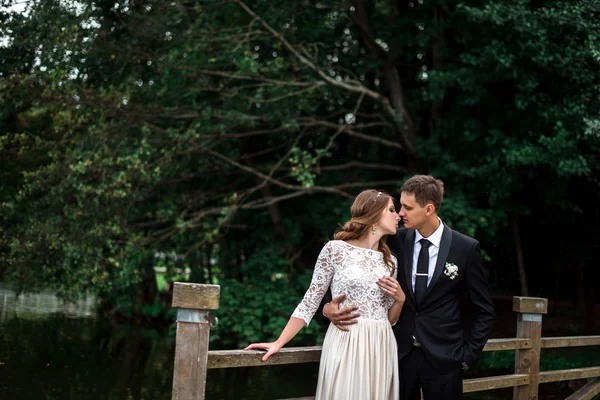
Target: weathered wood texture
191, 350
298, 355
569, 374
195, 296
570, 341
587, 392
533, 305
507, 344
494, 382
253, 358
478, 385
527, 361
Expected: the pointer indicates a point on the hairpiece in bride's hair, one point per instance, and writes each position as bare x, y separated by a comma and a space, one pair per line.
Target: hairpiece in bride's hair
378, 195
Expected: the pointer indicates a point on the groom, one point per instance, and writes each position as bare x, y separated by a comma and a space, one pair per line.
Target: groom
436, 265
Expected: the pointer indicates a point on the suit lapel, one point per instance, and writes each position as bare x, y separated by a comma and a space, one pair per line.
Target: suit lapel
409, 246
445, 244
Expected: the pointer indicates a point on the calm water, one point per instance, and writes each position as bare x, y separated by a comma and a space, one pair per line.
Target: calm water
50, 350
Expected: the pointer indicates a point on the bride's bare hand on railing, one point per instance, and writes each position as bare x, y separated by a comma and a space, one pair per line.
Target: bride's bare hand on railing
271, 348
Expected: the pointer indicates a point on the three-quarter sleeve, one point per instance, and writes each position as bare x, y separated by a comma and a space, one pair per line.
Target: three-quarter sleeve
321, 279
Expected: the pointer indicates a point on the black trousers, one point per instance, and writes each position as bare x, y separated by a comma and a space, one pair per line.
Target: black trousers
416, 373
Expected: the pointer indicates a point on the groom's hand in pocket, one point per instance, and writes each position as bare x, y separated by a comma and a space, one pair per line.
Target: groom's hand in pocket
340, 318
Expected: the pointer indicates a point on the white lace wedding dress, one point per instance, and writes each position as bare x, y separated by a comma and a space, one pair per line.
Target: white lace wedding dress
361, 364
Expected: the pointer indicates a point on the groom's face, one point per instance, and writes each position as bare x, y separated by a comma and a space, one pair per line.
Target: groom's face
413, 215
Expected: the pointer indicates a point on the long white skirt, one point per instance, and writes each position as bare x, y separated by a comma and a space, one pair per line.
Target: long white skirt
361, 364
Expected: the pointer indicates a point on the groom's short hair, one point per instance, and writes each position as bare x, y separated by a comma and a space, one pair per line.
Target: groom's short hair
426, 189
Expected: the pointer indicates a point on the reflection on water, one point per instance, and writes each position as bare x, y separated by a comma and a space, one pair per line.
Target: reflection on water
40, 304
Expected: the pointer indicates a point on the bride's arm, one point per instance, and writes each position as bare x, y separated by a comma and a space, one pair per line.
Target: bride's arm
292, 328
321, 279
394, 311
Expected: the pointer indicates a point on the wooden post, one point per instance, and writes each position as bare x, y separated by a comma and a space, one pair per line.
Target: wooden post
191, 346
527, 361
587, 392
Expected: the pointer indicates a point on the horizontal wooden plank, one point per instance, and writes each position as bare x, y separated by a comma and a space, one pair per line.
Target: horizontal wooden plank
587, 392
570, 341
253, 358
568, 374
530, 305
298, 355
507, 344
196, 296
494, 382
479, 384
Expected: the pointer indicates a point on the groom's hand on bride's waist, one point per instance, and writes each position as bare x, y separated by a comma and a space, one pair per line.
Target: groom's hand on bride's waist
340, 317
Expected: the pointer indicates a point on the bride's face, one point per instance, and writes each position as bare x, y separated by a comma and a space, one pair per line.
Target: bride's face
388, 222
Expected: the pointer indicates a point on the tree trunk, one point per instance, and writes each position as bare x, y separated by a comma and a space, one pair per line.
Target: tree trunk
209, 266
299, 255
436, 64
408, 135
556, 285
148, 292
590, 307
580, 290
520, 260
134, 358
275, 214
197, 273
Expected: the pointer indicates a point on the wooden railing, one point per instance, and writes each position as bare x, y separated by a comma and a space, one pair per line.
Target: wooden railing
193, 359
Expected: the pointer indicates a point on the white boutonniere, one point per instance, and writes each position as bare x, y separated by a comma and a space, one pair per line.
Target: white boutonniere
451, 270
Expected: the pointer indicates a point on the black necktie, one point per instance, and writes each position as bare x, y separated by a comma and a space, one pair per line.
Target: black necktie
422, 271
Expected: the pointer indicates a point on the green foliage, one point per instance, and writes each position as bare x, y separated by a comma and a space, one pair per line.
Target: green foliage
499, 362
258, 308
568, 359
302, 165
258, 312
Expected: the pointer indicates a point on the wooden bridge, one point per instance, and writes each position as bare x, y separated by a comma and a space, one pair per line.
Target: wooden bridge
193, 359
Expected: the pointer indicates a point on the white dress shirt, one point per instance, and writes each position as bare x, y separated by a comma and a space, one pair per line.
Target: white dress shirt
435, 238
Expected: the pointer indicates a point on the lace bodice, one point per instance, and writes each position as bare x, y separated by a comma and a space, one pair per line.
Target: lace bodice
349, 270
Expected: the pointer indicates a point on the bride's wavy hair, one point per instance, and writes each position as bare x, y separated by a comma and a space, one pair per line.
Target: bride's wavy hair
366, 211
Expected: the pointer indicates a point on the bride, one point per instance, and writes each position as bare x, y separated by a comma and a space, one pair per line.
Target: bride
360, 362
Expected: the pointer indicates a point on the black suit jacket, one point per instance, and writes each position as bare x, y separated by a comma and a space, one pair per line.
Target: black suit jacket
437, 322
